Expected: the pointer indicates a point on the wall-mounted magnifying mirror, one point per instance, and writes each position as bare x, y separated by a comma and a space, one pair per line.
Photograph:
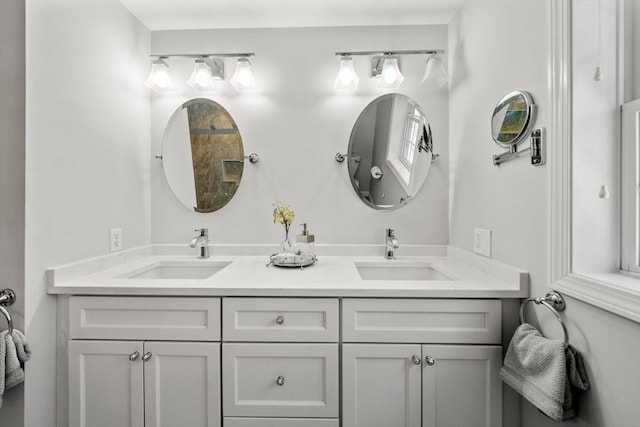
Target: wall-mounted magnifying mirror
511, 123
513, 119
390, 152
202, 155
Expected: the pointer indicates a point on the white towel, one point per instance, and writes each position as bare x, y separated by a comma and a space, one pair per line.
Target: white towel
543, 371
14, 351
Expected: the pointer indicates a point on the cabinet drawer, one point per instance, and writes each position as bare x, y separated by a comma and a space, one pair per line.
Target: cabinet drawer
280, 380
145, 318
280, 319
427, 321
280, 422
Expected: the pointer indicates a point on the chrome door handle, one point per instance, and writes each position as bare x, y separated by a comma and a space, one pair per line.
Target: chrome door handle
146, 356
430, 361
415, 359
280, 380
280, 320
134, 356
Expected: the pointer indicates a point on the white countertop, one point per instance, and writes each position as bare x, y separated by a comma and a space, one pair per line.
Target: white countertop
331, 276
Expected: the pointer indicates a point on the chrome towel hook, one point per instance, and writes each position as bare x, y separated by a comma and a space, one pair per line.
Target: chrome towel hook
554, 302
7, 297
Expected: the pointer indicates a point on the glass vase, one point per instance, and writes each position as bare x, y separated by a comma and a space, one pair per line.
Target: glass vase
286, 245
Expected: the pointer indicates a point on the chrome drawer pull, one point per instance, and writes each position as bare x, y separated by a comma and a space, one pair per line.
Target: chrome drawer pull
280, 380
134, 356
146, 356
415, 359
280, 320
430, 360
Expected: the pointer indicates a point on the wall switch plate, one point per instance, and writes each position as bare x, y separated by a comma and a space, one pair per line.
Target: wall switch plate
115, 236
482, 241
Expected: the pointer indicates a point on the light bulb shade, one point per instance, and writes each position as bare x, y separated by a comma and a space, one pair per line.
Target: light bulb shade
201, 77
347, 79
391, 77
435, 76
159, 78
243, 76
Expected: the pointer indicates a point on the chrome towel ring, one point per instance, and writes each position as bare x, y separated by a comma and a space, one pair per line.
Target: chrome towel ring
554, 302
9, 320
7, 297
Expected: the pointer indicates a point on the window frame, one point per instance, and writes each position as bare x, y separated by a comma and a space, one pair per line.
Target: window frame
630, 187
616, 293
409, 146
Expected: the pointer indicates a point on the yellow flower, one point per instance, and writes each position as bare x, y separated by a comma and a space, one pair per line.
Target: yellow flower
283, 214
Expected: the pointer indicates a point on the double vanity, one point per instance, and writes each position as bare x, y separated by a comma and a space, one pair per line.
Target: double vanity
353, 340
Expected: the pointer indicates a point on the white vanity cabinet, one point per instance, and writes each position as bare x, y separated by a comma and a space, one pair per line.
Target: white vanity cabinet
421, 363
280, 362
121, 373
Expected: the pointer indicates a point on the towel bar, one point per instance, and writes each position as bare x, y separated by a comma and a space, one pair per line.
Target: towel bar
554, 302
7, 297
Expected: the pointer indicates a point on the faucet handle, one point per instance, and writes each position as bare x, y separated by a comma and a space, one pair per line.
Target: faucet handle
202, 231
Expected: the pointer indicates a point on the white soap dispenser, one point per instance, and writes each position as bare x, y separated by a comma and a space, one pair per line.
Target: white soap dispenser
305, 241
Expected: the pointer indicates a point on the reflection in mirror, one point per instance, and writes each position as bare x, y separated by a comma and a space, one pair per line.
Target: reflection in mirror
202, 155
390, 152
512, 119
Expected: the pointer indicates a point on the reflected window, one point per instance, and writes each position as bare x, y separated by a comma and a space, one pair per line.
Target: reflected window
410, 136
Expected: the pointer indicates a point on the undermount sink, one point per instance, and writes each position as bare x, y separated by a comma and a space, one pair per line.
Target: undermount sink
177, 270
399, 271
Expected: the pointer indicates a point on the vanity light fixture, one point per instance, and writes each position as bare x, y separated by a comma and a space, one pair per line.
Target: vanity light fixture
207, 69
243, 78
390, 76
347, 79
205, 72
435, 75
159, 78
385, 66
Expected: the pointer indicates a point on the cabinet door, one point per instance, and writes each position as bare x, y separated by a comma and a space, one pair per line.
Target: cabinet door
105, 386
381, 385
182, 384
461, 386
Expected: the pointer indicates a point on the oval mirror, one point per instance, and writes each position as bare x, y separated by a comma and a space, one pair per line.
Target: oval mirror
513, 119
202, 155
390, 152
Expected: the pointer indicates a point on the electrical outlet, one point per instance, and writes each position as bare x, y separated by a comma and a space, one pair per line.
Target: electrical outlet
115, 236
482, 242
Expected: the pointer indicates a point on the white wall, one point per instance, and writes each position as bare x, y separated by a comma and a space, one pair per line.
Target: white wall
12, 180
86, 157
296, 122
494, 52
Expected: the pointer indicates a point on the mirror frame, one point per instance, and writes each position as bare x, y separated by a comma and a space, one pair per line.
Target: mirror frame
425, 144
205, 187
527, 127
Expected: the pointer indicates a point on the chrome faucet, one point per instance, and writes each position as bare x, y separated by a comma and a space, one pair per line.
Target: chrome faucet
201, 241
391, 244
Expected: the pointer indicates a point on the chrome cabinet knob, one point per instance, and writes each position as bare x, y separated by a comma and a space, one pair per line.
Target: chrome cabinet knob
280, 320
415, 359
430, 361
134, 356
280, 380
146, 356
